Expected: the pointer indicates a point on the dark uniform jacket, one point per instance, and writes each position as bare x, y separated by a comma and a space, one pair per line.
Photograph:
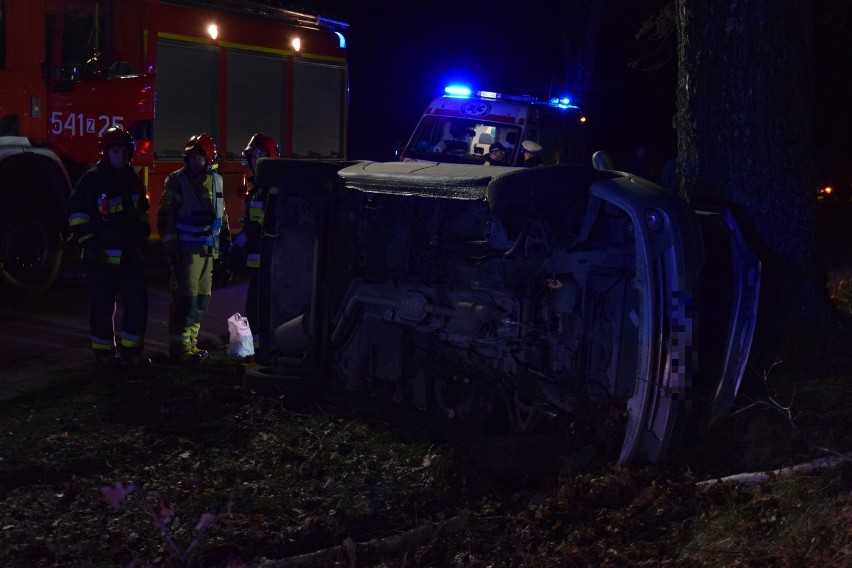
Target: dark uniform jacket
247, 242
109, 209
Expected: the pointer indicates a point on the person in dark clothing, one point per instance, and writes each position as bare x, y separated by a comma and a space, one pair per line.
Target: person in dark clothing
245, 249
496, 155
108, 216
532, 153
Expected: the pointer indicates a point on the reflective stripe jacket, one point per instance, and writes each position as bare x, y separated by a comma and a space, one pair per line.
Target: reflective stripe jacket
249, 238
109, 208
192, 214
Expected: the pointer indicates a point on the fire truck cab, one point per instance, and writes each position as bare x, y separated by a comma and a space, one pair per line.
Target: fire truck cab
70, 69
460, 126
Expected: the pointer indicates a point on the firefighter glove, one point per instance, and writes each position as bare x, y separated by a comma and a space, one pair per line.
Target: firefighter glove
89, 256
144, 251
173, 256
221, 273
236, 258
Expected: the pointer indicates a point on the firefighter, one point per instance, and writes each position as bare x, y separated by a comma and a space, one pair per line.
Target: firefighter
245, 250
194, 230
108, 216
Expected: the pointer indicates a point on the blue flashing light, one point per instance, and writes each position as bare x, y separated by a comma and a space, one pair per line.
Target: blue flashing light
328, 23
457, 91
342, 40
564, 102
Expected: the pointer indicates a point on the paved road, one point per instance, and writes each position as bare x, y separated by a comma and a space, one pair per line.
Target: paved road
46, 341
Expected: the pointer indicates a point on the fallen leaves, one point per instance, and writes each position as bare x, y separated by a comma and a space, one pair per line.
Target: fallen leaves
267, 486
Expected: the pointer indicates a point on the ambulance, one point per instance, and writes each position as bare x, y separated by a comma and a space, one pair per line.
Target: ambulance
460, 126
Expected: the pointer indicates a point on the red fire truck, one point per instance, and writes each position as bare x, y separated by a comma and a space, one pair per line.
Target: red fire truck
70, 69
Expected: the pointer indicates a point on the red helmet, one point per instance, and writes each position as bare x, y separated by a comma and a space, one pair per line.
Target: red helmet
115, 135
264, 142
204, 143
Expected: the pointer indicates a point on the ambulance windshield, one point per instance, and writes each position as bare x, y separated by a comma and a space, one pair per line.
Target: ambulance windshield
460, 140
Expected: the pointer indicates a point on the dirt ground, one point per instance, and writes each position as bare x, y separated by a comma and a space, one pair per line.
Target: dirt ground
187, 468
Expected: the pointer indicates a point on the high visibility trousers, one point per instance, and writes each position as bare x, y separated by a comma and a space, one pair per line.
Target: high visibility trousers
191, 283
107, 285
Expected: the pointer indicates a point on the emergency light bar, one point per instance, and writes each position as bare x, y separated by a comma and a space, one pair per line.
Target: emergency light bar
457, 91
562, 103
461, 91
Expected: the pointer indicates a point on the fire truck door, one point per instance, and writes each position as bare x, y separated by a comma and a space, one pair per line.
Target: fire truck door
101, 76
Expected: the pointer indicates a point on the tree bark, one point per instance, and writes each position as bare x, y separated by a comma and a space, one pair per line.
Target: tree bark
745, 141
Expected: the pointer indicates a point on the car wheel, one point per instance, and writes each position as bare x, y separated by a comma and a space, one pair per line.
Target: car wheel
30, 253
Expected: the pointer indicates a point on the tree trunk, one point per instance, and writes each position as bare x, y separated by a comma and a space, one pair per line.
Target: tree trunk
580, 30
745, 141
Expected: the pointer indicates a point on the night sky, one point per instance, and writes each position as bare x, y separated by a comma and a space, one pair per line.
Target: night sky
401, 55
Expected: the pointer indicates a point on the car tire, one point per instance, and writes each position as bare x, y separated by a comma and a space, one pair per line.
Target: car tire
31, 249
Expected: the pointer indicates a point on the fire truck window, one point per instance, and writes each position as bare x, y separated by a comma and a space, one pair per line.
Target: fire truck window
79, 43
88, 42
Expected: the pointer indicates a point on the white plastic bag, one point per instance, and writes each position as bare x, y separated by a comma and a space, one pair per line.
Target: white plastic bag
241, 343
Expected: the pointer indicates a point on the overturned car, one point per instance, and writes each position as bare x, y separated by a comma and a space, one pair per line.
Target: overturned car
506, 306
